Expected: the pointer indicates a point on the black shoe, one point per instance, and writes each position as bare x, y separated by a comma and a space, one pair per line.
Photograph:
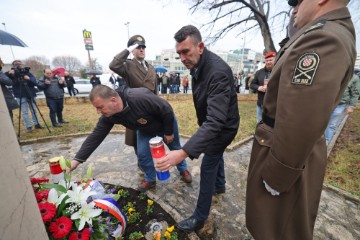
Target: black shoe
38, 126
189, 225
219, 190
63, 121
57, 125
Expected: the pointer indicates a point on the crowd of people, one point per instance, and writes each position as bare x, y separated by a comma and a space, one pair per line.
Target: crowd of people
172, 84
299, 91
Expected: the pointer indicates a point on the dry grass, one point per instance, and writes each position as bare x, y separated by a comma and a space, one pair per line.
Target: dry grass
343, 169
83, 118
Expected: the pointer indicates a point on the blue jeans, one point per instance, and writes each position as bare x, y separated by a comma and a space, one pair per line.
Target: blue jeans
212, 175
144, 154
259, 111
25, 105
173, 88
164, 89
334, 122
56, 107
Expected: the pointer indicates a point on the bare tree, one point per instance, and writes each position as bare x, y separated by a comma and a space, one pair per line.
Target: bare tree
70, 63
247, 15
95, 64
37, 64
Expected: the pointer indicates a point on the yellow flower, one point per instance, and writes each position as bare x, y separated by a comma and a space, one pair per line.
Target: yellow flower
131, 211
150, 202
167, 234
170, 229
120, 191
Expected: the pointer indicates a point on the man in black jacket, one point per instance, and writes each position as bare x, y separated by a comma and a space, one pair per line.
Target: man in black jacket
70, 81
94, 80
216, 107
137, 109
261, 79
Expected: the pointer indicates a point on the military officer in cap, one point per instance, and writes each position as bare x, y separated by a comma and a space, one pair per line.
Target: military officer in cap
288, 159
137, 72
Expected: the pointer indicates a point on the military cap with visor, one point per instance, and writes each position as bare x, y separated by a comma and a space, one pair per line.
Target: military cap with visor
136, 39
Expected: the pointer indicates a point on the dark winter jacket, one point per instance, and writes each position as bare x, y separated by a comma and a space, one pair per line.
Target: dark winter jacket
216, 106
22, 87
11, 102
258, 81
54, 90
70, 81
143, 111
95, 81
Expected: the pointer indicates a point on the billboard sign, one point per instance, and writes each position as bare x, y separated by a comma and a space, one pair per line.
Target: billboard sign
88, 40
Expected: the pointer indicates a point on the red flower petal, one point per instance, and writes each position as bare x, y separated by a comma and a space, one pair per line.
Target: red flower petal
42, 195
84, 235
47, 210
61, 227
39, 180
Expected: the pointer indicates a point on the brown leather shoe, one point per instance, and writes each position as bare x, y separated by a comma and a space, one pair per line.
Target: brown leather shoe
145, 185
186, 176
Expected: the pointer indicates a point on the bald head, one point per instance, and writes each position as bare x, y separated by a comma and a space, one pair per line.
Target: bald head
103, 92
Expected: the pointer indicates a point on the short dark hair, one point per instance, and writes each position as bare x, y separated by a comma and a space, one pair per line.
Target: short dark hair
16, 62
103, 92
186, 31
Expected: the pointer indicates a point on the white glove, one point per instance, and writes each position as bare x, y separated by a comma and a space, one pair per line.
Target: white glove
270, 190
132, 47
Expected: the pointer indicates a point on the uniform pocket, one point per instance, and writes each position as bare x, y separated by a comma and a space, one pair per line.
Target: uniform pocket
264, 135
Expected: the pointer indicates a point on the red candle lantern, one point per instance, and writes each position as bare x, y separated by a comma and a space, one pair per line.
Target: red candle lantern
157, 149
55, 169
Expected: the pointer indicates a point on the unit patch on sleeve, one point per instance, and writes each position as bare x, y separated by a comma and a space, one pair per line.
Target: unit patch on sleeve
305, 69
142, 121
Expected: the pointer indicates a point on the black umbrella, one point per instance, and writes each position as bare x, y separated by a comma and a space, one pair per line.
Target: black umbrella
94, 71
9, 39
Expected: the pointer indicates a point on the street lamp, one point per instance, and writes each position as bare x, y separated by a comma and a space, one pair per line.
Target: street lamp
10, 45
127, 25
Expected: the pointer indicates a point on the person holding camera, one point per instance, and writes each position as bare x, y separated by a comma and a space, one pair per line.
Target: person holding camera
25, 93
54, 92
10, 100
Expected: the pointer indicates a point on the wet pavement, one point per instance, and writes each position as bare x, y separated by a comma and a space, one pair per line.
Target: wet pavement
114, 162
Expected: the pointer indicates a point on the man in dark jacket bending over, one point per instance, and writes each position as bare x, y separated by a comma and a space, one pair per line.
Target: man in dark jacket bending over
137, 109
216, 107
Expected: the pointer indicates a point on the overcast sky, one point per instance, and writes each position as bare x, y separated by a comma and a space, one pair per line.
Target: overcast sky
54, 28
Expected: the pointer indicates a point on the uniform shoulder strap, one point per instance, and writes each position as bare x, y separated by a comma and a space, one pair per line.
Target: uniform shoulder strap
316, 25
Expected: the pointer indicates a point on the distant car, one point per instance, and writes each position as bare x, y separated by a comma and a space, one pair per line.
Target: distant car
81, 86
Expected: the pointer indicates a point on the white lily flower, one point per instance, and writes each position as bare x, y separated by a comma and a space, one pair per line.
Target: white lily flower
85, 214
78, 195
54, 198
